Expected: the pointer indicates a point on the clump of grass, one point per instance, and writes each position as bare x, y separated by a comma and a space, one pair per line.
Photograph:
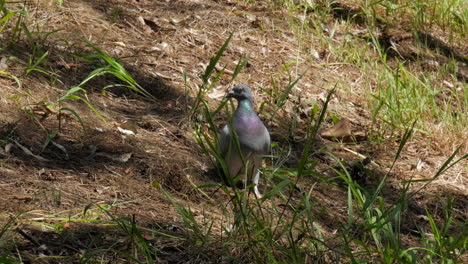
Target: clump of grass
399, 93
140, 248
108, 65
105, 64
50, 107
39, 53
401, 98
114, 232
278, 97
58, 108
5, 237
8, 17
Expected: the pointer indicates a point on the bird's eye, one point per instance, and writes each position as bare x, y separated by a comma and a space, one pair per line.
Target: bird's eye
241, 90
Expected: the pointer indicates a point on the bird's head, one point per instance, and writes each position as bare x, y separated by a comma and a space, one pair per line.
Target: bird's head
241, 92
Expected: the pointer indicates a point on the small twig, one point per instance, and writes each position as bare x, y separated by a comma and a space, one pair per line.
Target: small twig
362, 156
219, 68
28, 152
28, 237
62, 148
112, 171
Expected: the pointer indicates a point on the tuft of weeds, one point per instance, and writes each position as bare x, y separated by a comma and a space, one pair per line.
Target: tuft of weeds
118, 236
8, 16
38, 54
58, 109
105, 64
108, 65
12, 76
278, 97
401, 98
5, 256
138, 244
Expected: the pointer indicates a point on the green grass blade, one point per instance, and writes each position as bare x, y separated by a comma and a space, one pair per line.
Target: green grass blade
211, 66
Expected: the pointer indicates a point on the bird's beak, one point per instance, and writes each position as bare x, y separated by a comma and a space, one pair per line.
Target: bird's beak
230, 94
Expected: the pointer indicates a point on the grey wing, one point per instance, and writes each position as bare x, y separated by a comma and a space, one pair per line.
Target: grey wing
224, 138
259, 144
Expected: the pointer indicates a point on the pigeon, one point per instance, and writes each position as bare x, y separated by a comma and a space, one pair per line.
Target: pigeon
254, 139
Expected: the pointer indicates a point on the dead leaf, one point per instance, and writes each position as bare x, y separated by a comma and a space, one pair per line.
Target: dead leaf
448, 84
126, 129
8, 147
152, 25
147, 237
341, 131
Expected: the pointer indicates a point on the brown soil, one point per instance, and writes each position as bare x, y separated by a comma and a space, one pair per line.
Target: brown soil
157, 42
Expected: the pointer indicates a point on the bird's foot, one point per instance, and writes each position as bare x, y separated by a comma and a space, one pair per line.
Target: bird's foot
258, 195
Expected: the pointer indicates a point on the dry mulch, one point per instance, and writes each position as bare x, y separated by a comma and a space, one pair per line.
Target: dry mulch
157, 42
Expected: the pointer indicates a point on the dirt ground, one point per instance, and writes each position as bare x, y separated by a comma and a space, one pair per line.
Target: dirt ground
157, 42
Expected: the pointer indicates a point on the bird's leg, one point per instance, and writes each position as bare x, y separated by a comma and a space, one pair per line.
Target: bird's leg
255, 180
257, 164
